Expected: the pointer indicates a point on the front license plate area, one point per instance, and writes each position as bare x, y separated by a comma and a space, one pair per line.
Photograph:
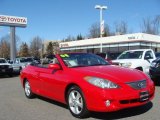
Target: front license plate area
144, 96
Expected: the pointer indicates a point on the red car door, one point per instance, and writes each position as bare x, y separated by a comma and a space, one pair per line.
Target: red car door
33, 77
53, 83
38, 81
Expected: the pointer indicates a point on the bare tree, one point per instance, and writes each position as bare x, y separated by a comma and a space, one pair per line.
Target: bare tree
107, 31
147, 26
36, 47
151, 26
121, 28
156, 25
94, 31
69, 38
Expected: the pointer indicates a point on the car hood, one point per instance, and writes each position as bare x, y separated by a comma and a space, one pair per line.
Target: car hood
112, 73
25, 63
125, 60
5, 64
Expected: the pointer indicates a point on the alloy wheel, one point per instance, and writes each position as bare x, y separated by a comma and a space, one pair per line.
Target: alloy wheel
75, 102
27, 88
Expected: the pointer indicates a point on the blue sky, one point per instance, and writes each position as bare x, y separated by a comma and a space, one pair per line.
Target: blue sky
56, 19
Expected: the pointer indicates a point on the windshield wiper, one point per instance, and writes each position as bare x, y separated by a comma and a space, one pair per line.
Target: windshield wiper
98, 64
79, 66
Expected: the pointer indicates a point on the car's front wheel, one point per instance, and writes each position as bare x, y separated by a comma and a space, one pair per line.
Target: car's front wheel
76, 102
27, 89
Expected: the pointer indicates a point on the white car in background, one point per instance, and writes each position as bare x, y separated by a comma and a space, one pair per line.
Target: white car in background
16, 67
23, 61
20, 63
138, 59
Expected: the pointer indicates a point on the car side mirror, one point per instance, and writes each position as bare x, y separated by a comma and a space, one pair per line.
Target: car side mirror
54, 66
147, 57
11, 62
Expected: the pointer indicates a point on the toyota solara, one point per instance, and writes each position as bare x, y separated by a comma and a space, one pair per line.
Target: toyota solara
86, 82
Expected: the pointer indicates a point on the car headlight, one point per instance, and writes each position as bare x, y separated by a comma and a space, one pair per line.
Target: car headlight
126, 64
100, 82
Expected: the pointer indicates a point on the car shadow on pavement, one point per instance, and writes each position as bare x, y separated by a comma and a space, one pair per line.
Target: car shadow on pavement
157, 82
6, 76
122, 113
52, 101
108, 115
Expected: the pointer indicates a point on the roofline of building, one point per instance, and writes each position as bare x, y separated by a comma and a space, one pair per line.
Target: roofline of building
136, 37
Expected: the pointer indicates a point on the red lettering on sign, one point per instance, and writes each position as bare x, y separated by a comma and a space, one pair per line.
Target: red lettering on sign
11, 19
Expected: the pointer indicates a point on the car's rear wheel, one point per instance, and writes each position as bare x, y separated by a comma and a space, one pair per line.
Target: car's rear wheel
27, 89
76, 102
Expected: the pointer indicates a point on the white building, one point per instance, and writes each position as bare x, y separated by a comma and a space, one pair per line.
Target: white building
113, 44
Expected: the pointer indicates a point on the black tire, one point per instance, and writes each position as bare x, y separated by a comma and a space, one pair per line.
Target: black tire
77, 105
27, 90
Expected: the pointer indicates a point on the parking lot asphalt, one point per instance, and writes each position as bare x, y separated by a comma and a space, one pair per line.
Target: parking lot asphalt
15, 106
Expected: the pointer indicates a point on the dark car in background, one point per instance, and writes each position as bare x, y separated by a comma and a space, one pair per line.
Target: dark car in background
5, 67
37, 60
155, 69
108, 56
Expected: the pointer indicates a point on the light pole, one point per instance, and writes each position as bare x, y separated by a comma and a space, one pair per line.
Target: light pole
101, 8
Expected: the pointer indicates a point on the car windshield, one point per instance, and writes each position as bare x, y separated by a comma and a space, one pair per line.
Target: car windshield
3, 61
82, 60
131, 55
26, 60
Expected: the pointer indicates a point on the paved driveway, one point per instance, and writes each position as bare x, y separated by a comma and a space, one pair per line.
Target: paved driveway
15, 106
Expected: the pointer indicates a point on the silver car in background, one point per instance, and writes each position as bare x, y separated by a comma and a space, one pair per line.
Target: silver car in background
24, 61
20, 63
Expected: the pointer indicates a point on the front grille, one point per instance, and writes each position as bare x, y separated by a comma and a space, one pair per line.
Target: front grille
138, 84
3, 66
129, 101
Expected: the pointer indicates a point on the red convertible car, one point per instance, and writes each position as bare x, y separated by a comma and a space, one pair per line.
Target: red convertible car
86, 82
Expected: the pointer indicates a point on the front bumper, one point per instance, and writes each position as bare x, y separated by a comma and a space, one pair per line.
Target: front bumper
16, 69
6, 71
118, 98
